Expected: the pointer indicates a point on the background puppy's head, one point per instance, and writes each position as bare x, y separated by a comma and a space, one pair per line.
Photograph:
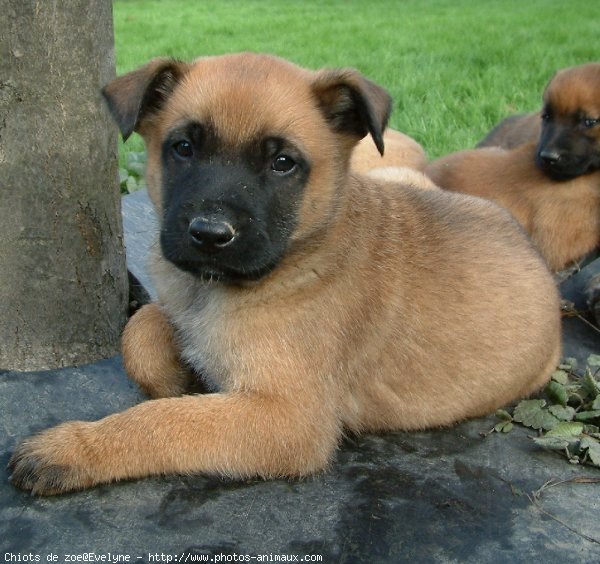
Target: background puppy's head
247, 154
569, 144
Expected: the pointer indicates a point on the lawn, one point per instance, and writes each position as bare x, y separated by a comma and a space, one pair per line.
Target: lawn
453, 67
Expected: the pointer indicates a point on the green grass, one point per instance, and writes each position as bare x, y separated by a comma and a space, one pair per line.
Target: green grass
453, 67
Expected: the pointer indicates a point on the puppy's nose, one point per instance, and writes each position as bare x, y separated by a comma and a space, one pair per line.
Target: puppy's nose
549, 157
211, 234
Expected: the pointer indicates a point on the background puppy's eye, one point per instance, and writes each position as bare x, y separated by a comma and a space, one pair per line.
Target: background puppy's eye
590, 122
183, 149
545, 116
283, 164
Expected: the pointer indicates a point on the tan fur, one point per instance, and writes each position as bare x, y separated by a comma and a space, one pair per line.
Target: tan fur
400, 151
562, 217
575, 89
403, 175
156, 335
393, 308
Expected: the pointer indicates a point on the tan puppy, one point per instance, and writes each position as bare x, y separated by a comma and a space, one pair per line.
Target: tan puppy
311, 300
567, 130
400, 151
562, 217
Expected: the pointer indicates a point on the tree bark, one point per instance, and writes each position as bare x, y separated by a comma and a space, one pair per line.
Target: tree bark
63, 282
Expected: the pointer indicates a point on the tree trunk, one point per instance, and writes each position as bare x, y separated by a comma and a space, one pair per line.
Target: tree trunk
63, 282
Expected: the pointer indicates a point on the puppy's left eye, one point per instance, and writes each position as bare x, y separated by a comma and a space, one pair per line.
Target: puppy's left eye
590, 122
183, 149
283, 164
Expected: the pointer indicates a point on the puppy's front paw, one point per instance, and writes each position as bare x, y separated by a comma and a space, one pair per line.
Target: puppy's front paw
54, 461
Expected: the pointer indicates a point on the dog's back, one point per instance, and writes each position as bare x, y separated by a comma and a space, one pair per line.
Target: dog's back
514, 131
562, 217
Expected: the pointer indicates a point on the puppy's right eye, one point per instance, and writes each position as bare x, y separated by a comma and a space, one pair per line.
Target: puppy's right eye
283, 164
183, 149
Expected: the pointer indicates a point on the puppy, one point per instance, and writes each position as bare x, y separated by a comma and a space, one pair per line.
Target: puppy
567, 129
309, 298
562, 217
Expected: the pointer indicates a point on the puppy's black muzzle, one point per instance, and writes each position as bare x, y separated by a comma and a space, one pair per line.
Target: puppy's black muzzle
211, 233
564, 153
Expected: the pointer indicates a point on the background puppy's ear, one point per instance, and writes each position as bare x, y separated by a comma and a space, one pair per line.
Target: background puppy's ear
138, 94
353, 104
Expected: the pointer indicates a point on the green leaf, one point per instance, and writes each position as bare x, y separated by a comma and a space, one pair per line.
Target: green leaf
123, 174
555, 443
589, 385
593, 360
568, 363
502, 414
136, 157
557, 393
531, 413
587, 415
566, 429
137, 168
593, 449
563, 413
561, 377
503, 427
131, 184
596, 403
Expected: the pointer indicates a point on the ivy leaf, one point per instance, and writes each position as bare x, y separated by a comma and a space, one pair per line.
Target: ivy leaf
563, 413
503, 427
568, 364
593, 449
531, 413
560, 376
555, 443
566, 429
504, 415
587, 415
557, 393
593, 360
131, 184
589, 385
136, 168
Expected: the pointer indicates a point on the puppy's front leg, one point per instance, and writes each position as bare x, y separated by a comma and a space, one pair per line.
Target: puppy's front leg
151, 356
237, 435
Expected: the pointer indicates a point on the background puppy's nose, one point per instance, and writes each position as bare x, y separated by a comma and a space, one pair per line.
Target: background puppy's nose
549, 156
211, 234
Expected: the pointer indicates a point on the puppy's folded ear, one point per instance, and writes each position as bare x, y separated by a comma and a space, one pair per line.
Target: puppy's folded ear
353, 104
137, 95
